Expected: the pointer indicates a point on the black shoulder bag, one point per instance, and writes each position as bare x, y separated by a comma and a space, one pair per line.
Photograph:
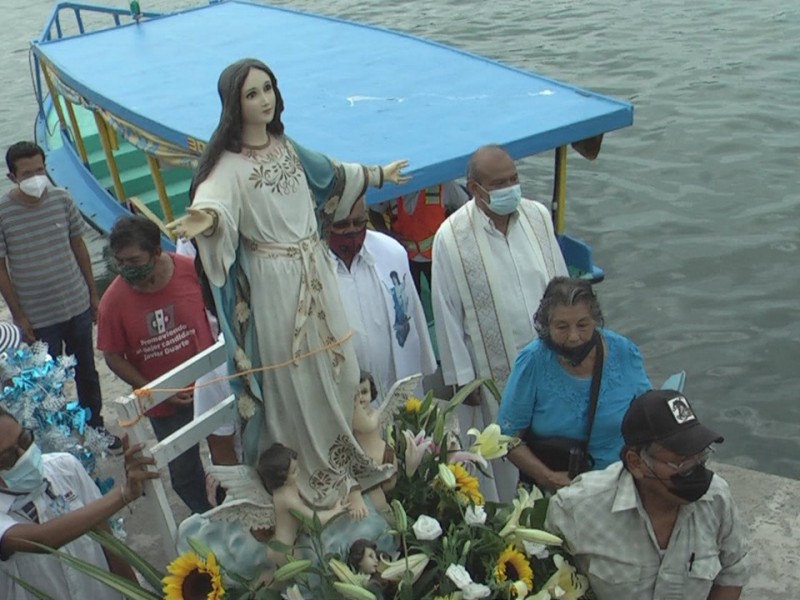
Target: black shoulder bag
569, 454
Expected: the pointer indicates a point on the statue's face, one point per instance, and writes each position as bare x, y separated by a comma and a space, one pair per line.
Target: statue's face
364, 395
257, 98
368, 564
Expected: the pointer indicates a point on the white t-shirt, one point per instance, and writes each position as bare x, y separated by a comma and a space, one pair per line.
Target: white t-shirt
69, 482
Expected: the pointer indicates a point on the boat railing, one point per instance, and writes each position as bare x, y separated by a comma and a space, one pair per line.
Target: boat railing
64, 28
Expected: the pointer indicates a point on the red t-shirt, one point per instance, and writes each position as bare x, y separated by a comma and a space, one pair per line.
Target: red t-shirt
155, 331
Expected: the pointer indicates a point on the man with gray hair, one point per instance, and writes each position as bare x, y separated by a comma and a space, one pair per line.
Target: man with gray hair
659, 524
492, 260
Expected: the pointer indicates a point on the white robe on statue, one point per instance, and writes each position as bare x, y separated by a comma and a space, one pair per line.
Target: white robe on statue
287, 314
385, 313
486, 289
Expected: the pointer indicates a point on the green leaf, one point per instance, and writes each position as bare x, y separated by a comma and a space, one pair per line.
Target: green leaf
150, 574
30, 588
462, 394
199, 547
115, 582
279, 546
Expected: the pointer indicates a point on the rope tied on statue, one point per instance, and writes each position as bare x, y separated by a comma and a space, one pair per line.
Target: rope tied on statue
144, 393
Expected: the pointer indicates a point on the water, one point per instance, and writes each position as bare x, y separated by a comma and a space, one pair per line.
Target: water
693, 212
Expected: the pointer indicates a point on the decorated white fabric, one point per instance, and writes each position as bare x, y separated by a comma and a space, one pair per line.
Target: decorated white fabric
291, 310
486, 289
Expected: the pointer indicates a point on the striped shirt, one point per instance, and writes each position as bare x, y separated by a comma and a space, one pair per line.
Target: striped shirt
35, 240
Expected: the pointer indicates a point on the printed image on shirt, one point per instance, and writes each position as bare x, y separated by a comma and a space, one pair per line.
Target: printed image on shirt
401, 326
160, 320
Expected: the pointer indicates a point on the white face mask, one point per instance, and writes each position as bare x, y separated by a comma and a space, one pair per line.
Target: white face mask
34, 186
505, 200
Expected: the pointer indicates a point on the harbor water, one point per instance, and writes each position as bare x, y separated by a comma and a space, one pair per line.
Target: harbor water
692, 212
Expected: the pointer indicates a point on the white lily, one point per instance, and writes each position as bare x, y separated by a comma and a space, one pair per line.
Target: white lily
490, 443
415, 564
521, 502
447, 477
537, 536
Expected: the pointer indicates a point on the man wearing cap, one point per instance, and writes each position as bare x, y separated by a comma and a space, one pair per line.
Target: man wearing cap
659, 524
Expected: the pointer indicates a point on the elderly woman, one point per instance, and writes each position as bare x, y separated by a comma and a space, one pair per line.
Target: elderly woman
547, 395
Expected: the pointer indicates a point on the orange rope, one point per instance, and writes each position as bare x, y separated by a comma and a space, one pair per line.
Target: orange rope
142, 394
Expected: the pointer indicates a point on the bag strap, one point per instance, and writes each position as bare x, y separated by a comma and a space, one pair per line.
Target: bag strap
594, 390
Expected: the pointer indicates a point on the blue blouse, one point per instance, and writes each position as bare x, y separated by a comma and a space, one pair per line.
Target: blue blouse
542, 396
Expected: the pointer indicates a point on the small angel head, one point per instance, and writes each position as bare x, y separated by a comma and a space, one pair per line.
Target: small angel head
363, 556
277, 466
366, 392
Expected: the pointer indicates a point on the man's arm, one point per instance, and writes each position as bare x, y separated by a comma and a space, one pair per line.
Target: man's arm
123, 369
12, 300
724, 592
85, 265
70, 526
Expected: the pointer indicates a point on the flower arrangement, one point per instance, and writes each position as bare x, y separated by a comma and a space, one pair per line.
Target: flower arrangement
453, 544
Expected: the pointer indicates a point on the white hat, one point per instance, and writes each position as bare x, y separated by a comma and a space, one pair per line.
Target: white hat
9, 336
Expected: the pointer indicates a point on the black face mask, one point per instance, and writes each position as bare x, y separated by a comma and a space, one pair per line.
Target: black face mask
689, 486
693, 485
575, 355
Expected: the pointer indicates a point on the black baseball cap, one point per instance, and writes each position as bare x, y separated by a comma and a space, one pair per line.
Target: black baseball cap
665, 417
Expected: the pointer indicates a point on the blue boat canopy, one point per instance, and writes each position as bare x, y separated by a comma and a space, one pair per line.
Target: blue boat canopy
355, 92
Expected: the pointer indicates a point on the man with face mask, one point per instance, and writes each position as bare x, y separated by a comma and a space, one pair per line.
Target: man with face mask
383, 309
492, 260
50, 500
659, 524
151, 319
46, 273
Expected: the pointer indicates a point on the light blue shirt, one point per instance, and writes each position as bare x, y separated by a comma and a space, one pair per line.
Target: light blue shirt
542, 396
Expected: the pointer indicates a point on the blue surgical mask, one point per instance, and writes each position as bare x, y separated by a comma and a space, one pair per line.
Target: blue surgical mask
27, 474
505, 200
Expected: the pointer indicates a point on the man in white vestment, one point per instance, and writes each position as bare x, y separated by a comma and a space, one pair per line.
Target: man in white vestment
382, 305
492, 260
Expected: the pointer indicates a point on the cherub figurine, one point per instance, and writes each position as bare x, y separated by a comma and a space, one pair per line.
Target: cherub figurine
364, 558
262, 499
369, 424
277, 468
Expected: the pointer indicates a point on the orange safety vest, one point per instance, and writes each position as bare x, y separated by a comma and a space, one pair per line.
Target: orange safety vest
415, 231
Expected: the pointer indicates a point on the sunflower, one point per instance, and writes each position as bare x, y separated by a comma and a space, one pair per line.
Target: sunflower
513, 566
468, 488
192, 578
413, 405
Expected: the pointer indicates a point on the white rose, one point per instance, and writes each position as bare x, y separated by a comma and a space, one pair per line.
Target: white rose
475, 591
538, 550
475, 515
427, 528
459, 576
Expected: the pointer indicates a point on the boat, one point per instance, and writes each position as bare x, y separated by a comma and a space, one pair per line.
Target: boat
127, 105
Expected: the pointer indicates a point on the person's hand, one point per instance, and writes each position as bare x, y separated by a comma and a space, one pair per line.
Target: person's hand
28, 336
357, 507
555, 480
394, 172
94, 303
192, 224
474, 398
136, 472
181, 399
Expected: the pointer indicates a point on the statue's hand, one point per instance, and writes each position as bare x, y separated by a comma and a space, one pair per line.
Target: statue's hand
192, 224
394, 172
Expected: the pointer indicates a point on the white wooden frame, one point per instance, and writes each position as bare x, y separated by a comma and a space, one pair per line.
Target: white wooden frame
131, 408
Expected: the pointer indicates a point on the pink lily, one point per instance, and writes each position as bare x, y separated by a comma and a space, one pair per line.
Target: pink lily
462, 456
416, 447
